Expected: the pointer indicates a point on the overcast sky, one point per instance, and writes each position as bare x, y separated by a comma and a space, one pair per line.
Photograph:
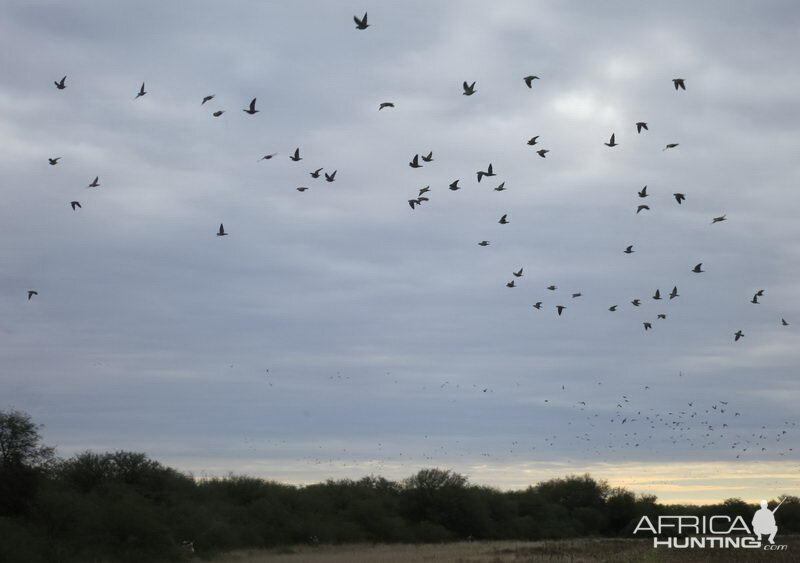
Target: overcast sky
336, 332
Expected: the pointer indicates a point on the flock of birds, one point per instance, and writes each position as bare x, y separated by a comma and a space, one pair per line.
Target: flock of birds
698, 426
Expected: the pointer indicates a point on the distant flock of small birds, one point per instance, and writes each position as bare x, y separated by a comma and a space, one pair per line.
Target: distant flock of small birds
469, 89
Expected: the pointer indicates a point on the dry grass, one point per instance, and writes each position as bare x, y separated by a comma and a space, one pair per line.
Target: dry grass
572, 551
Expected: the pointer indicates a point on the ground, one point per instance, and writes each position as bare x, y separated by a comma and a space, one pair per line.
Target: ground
572, 551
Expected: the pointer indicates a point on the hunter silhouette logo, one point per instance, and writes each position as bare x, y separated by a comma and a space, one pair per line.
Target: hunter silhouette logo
764, 521
682, 532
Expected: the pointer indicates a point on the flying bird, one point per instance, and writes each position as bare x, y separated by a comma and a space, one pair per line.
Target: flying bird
784, 323
75, 204
641, 125
54, 161
661, 316
719, 219
697, 269
330, 177
737, 335
533, 140
643, 192
141, 92
636, 302
221, 232
529, 80
674, 293
484, 243
657, 294
296, 156
647, 326
385, 105
218, 112
511, 284
61, 83
361, 23
679, 83
638, 209
679, 197
95, 183
415, 162
501, 187
504, 220
552, 287
31, 293
754, 300
629, 250
574, 295
542, 152
269, 156
519, 273
488, 173
207, 99
469, 89
537, 305
611, 142
454, 186
669, 146
560, 308
613, 308
315, 173
252, 109
426, 189
301, 189
428, 157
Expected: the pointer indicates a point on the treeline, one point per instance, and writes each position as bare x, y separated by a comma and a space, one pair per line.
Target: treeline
124, 506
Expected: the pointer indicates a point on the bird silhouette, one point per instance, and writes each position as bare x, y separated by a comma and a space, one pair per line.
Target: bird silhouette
641, 207
501, 187
141, 92
469, 89
784, 323
537, 305
361, 23
454, 186
657, 295
252, 109
330, 177
424, 190
611, 142
489, 172
385, 105
428, 157
54, 161
739, 334
221, 232
511, 284
218, 112
552, 287
679, 197
269, 157
518, 273
698, 269
95, 183
301, 189
529, 80
674, 293
670, 146
31, 293
415, 162
679, 83
613, 308
636, 302
643, 192
75, 205
533, 140
629, 250
207, 99
61, 84
296, 156
647, 326
542, 152
640, 125
504, 220
484, 243
560, 309
719, 219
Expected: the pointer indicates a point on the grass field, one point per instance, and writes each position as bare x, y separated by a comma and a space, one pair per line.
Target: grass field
573, 551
